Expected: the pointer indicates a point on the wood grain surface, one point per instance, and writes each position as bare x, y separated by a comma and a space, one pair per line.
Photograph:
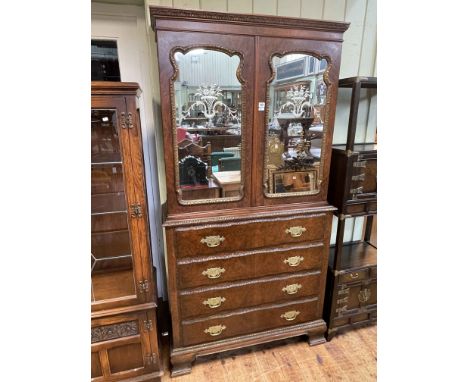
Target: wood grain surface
348, 357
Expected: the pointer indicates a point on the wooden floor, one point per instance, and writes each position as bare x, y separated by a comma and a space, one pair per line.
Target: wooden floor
348, 357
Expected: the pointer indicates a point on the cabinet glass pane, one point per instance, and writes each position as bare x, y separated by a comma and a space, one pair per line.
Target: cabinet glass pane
111, 257
296, 113
208, 129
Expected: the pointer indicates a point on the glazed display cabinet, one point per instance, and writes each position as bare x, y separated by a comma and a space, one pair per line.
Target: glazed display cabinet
248, 107
124, 341
351, 300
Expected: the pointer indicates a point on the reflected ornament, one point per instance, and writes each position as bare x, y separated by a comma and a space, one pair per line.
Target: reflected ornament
208, 103
297, 99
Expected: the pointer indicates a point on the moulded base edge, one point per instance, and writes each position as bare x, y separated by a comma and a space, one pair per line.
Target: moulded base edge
183, 357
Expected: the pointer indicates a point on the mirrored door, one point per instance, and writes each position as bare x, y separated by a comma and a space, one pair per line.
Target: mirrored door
295, 113
208, 104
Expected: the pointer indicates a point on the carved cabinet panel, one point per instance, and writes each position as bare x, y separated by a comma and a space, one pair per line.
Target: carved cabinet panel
124, 346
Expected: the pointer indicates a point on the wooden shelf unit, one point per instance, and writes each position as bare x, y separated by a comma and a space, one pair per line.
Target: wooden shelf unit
351, 296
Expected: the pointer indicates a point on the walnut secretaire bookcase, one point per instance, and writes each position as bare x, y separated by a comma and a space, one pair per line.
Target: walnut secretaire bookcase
248, 106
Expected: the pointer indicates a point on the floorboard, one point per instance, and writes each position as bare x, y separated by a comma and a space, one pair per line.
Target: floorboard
351, 356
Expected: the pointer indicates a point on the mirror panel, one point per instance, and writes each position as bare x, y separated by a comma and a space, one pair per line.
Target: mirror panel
296, 109
207, 93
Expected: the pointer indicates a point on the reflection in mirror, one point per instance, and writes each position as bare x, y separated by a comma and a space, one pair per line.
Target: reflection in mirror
208, 98
296, 109
111, 256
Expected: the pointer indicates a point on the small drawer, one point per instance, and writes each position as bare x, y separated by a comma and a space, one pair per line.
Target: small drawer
340, 322
249, 321
359, 318
353, 276
209, 301
235, 236
194, 272
356, 208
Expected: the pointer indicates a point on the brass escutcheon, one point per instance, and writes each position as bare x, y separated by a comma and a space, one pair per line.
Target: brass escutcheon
354, 275
364, 295
291, 315
293, 261
213, 273
292, 288
295, 231
214, 302
212, 241
215, 330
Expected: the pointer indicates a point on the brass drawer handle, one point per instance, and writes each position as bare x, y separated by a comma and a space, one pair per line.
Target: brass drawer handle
354, 275
293, 261
292, 288
215, 330
295, 231
214, 302
213, 273
212, 241
364, 295
291, 315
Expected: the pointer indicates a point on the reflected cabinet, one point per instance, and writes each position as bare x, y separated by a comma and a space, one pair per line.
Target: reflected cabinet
248, 106
123, 329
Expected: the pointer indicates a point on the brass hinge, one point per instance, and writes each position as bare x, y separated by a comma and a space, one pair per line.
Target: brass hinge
358, 177
126, 120
342, 300
349, 153
148, 325
355, 191
362, 163
143, 286
151, 359
137, 211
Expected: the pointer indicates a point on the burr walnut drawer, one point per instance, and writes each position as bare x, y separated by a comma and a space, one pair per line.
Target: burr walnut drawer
212, 300
248, 321
235, 236
211, 270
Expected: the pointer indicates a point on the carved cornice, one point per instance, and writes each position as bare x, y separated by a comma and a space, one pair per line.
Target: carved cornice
246, 19
110, 332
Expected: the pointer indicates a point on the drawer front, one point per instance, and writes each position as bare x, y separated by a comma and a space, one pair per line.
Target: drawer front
248, 294
363, 207
354, 276
246, 265
228, 237
250, 321
356, 297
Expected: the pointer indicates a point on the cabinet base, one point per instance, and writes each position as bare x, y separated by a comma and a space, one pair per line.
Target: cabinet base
183, 357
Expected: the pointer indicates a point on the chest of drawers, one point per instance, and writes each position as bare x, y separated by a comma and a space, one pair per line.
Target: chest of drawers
245, 280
